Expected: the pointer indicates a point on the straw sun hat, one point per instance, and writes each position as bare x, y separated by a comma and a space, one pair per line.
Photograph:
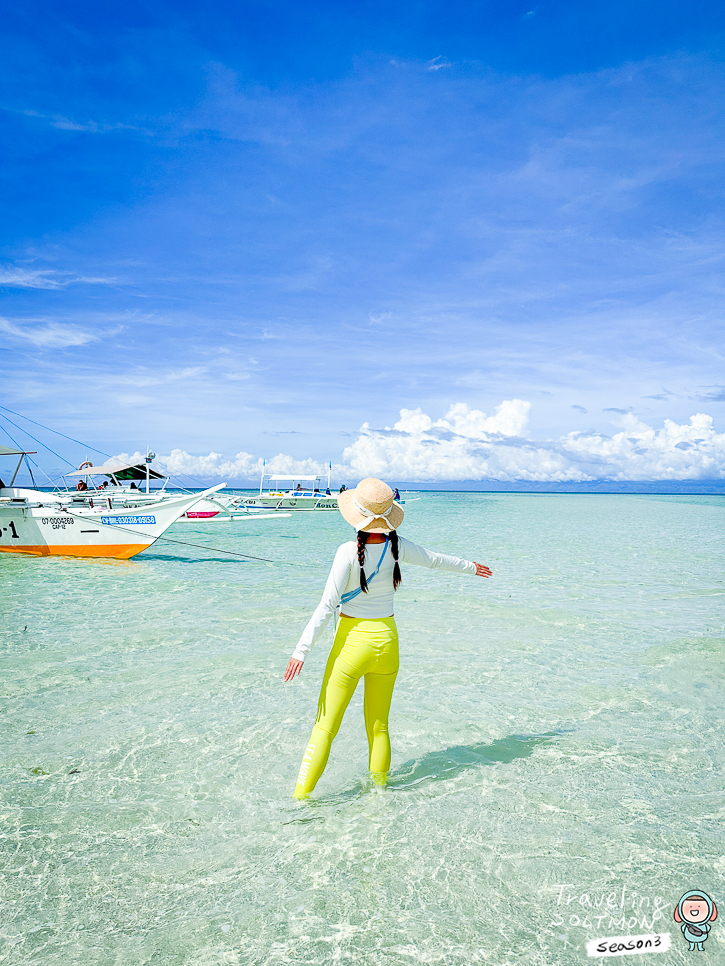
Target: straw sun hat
370, 507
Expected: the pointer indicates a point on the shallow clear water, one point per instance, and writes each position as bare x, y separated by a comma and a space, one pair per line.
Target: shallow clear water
557, 744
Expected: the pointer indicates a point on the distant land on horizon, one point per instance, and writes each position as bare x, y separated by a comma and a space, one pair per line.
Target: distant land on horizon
712, 487
681, 487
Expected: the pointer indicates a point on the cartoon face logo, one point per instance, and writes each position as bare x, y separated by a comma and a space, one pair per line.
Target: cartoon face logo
695, 911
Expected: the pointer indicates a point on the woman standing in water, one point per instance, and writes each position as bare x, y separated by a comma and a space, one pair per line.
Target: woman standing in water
366, 642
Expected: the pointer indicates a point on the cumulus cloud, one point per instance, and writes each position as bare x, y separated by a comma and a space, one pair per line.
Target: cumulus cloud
639, 452
244, 466
510, 419
468, 444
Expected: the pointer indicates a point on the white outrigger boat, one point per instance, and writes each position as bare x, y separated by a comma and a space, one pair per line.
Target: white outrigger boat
294, 492
121, 488
49, 524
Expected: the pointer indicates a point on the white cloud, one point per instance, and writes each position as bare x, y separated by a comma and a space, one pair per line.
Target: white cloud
52, 335
88, 127
21, 278
511, 419
467, 444
45, 278
144, 380
676, 452
480, 447
244, 466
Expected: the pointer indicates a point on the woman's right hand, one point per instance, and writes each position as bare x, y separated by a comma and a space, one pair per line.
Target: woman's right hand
482, 571
293, 669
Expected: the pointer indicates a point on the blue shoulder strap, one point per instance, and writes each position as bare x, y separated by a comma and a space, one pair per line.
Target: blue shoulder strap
353, 593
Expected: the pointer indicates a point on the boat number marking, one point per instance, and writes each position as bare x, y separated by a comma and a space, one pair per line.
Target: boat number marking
122, 521
13, 531
58, 522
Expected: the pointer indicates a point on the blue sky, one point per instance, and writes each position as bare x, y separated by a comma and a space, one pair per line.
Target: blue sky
489, 234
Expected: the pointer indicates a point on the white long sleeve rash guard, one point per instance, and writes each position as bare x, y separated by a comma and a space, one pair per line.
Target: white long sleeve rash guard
378, 601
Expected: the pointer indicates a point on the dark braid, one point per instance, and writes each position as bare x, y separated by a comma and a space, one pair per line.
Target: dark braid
397, 579
362, 539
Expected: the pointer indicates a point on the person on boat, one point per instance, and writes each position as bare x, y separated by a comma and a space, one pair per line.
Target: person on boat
81, 485
396, 495
299, 486
343, 488
366, 642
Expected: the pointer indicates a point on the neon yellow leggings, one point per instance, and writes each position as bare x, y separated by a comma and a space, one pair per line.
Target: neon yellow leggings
362, 648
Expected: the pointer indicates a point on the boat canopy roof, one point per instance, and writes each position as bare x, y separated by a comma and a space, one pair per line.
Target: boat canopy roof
296, 478
6, 451
122, 471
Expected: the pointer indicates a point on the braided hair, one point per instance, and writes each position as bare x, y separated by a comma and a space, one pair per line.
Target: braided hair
362, 539
397, 579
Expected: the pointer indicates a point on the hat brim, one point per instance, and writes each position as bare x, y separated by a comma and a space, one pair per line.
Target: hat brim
346, 503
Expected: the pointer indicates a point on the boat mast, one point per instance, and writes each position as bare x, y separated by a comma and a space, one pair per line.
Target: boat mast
149, 456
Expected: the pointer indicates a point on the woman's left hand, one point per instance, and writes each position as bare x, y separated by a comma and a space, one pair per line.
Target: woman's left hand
293, 669
482, 571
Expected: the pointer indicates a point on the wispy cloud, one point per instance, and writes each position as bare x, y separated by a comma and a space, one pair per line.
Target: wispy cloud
46, 278
661, 396
90, 127
142, 380
51, 335
713, 394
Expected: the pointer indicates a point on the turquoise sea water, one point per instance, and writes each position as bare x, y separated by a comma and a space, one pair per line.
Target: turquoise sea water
557, 744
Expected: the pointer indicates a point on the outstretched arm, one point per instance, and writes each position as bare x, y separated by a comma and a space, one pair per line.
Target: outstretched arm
411, 553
